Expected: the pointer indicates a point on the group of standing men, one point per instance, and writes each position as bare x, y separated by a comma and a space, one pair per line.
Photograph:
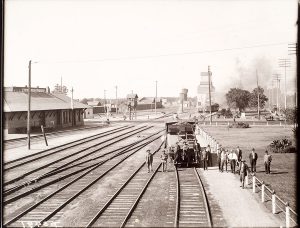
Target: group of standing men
235, 158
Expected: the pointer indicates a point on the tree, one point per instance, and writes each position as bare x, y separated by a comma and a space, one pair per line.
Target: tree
60, 89
238, 98
290, 115
84, 101
262, 98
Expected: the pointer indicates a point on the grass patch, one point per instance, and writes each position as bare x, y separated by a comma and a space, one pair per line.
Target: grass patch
283, 166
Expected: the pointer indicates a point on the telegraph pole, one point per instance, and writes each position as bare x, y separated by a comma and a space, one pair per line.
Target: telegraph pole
72, 102
209, 91
116, 99
284, 63
155, 96
277, 78
29, 103
105, 102
258, 114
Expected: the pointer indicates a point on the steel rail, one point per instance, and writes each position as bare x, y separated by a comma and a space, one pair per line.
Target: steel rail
93, 220
78, 152
62, 145
15, 198
139, 197
34, 180
177, 199
178, 204
62, 148
72, 197
50, 133
207, 208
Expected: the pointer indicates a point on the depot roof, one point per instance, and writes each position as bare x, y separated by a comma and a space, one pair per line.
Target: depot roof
18, 101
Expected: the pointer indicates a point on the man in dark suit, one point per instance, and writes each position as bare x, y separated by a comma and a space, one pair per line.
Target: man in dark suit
149, 160
243, 172
239, 157
253, 159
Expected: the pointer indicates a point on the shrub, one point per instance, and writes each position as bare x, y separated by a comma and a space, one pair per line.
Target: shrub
282, 146
239, 125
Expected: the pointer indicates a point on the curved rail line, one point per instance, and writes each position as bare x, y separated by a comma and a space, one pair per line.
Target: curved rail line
73, 170
57, 200
121, 205
33, 157
192, 208
37, 171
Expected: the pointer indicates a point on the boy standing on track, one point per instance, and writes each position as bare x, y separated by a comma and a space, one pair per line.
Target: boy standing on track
149, 160
164, 159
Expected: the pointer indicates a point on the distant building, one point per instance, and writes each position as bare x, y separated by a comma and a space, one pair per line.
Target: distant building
52, 110
94, 103
149, 103
203, 94
132, 99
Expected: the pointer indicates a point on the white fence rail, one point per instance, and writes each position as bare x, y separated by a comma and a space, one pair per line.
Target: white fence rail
278, 205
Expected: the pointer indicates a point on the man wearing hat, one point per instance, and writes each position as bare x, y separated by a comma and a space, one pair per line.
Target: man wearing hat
164, 158
243, 172
177, 153
253, 159
149, 160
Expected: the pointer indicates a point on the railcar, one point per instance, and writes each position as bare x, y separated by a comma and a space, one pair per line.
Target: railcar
181, 143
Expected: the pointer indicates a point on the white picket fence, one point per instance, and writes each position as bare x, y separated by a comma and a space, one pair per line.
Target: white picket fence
278, 205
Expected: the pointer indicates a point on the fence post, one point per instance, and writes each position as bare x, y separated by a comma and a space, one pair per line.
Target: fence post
262, 192
273, 203
287, 215
267, 123
280, 123
253, 181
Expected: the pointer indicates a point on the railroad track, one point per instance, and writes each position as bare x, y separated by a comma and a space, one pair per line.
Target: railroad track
32, 157
79, 155
18, 142
42, 210
118, 209
192, 209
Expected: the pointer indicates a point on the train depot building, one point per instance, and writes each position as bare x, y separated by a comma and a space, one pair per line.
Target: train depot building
52, 110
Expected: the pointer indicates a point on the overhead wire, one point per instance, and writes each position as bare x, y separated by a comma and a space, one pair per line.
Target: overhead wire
164, 55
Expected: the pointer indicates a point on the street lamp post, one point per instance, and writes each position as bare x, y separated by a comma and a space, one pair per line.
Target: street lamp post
29, 103
155, 96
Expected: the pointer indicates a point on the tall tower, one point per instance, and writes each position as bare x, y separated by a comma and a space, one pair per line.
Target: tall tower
203, 93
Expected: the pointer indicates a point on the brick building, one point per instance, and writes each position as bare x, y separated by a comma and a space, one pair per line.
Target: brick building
52, 110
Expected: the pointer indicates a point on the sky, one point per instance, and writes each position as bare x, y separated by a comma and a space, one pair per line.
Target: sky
96, 45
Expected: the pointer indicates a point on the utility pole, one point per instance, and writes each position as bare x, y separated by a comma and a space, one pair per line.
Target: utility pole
72, 102
284, 63
29, 103
155, 96
72, 107
272, 95
258, 114
277, 78
209, 75
105, 101
61, 86
116, 99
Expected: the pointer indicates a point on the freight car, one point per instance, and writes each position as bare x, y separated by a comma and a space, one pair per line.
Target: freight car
181, 142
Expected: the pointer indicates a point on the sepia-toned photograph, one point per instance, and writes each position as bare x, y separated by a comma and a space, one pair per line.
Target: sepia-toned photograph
162, 113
